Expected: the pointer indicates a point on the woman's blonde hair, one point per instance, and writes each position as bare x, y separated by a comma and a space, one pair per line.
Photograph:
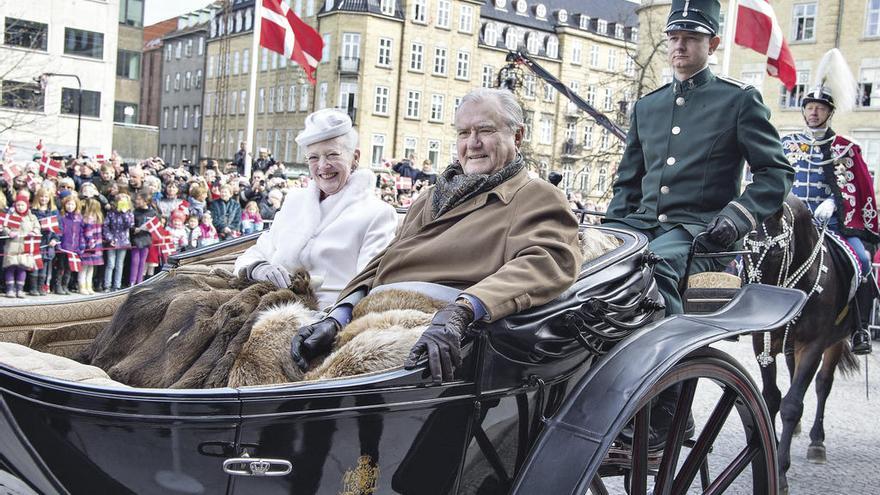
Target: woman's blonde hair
92, 208
70, 197
252, 203
35, 203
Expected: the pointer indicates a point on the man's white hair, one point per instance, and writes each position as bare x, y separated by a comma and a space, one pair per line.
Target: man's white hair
508, 107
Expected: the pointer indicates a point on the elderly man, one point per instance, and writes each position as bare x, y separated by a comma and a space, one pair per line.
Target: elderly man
503, 241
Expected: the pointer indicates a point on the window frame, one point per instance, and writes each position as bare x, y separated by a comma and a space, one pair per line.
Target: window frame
42, 37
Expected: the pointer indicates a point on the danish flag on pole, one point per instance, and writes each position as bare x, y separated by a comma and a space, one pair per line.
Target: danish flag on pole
758, 29
283, 32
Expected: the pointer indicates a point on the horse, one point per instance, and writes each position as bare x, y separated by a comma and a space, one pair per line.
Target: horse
788, 250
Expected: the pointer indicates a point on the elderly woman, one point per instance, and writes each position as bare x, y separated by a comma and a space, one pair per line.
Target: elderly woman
333, 227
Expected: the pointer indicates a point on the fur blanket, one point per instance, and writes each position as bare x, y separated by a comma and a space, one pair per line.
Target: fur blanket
187, 330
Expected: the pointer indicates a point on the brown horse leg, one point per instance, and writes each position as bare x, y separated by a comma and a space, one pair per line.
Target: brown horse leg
824, 381
807, 357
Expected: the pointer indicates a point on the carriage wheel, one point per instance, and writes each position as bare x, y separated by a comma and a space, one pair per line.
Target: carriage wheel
674, 470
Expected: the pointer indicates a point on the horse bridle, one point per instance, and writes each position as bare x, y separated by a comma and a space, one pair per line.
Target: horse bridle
786, 278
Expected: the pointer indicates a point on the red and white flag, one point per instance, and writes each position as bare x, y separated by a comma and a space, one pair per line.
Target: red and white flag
50, 223
403, 183
10, 220
40, 145
11, 171
283, 32
758, 29
156, 230
166, 247
32, 245
48, 166
73, 260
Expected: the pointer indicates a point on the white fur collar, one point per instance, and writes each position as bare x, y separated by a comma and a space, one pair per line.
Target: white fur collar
306, 216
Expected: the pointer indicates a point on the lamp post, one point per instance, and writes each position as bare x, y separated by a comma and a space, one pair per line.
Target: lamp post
44, 81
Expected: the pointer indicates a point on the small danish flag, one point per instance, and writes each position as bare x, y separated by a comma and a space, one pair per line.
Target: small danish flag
10, 220
51, 224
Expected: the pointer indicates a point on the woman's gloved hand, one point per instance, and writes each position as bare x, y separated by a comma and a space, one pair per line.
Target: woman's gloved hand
824, 211
442, 342
270, 272
313, 340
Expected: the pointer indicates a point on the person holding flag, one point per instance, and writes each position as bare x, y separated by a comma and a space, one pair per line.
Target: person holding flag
831, 176
17, 261
72, 242
681, 171
43, 206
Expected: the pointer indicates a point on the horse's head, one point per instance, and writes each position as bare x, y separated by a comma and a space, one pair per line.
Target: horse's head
773, 244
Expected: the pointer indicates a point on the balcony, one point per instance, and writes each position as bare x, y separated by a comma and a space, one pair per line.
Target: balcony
348, 66
570, 149
572, 110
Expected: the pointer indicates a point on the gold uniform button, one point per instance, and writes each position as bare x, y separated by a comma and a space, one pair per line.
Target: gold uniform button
664, 190
662, 217
680, 101
670, 160
676, 130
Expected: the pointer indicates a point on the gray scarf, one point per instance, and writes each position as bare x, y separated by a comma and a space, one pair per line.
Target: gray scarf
454, 187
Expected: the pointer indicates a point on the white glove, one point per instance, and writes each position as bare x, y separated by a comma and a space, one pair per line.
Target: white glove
825, 210
270, 272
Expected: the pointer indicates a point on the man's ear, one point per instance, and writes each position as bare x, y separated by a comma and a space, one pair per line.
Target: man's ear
519, 135
714, 41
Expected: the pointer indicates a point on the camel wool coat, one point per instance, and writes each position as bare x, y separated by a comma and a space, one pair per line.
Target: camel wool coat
513, 247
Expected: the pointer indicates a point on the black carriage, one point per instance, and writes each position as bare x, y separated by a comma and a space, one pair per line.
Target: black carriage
538, 407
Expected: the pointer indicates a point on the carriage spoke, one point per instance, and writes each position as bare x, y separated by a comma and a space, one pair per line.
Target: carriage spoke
663, 483
704, 442
597, 487
734, 469
641, 431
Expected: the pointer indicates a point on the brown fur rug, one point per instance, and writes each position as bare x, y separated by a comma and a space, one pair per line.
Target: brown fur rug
185, 331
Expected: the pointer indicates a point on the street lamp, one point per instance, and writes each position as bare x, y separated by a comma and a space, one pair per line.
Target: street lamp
44, 81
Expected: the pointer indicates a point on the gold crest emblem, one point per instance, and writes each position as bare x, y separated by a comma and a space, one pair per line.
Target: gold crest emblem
362, 479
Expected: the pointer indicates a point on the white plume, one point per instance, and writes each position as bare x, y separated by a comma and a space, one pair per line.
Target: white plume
834, 74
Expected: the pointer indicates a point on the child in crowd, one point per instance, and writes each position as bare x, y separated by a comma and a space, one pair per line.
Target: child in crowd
17, 261
141, 240
43, 206
169, 201
118, 222
209, 232
72, 241
251, 221
198, 195
193, 233
93, 221
177, 229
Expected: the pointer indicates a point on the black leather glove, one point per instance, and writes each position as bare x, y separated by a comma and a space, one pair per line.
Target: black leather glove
722, 231
313, 340
442, 342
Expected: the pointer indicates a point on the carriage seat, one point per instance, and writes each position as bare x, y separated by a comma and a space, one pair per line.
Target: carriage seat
707, 292
42, 363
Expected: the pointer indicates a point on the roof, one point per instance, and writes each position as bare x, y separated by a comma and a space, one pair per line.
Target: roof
158, 30
370, 6
613, 11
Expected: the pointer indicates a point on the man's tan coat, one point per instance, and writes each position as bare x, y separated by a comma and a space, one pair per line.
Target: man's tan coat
513, 247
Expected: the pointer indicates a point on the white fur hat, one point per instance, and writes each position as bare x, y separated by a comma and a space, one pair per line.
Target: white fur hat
323, 125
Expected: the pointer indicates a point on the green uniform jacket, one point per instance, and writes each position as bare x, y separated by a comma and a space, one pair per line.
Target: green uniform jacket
684, 158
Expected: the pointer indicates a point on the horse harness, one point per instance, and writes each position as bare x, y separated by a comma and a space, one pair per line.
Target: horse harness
787, 277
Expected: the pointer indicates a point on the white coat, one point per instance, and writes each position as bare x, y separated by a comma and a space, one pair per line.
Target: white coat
332, 239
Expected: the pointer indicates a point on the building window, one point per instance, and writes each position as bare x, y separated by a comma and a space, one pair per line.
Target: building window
552, 47
242, 102
347, 96
576, 53
387, 7
288, 144
466, 19
463, 66
792, 99
378, 149
629, 67
634, 33
384, 57
439, 61
209, 99
433, 151
591, 95
584, 22
325, 52
869, 87
804, 22
178, 49
609, 99
603, 143
380, 103
165, 118
612, 59
125, 113
209, 69
417, 57
602, 26
279, 102
872, 19
291, 99
233, 103
91, 102
594, 55
168, 53
588, 136
533, 43
187, 81
186, 117
261, 101
322, 95
490, 34
264, 59
245, 60
197, 81
436, 108
271, 106
131, 12
201, 49
197, 120
444, 10
175, 117
26, 34
618, 31
600, 180
488, 77
456, 103
548, 92
528, 121
177, 81
304, 98
83, 43
529, 86
351, 46
546, 136
409, 146
413, 103
419, 11
188, 48
21, 96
